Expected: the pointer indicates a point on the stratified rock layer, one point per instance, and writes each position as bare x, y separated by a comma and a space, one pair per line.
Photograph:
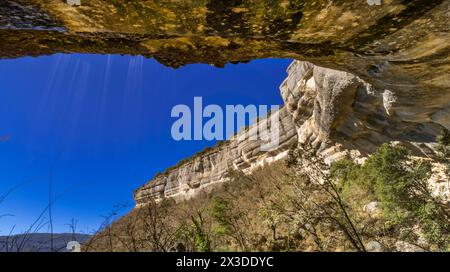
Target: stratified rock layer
337, 109
338, 113
211, 166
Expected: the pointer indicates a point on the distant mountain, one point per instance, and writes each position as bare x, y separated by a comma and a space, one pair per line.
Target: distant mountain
40, 242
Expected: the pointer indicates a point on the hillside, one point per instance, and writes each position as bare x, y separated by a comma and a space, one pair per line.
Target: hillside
40, 242
385, 204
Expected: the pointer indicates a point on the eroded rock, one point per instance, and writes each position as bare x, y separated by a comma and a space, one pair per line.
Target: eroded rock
210, 167
338, 113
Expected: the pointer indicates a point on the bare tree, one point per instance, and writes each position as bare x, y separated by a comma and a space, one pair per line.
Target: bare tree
328, 203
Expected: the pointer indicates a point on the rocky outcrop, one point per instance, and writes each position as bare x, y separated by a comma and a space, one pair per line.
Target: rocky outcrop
400, 47
337, 113
241, 152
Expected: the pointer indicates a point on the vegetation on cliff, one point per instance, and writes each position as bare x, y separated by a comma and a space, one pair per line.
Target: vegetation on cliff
384, 204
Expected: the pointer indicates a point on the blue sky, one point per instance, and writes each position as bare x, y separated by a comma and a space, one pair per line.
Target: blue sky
100, 125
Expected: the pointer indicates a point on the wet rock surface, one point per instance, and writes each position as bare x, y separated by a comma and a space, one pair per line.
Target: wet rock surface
22, 15
399, 46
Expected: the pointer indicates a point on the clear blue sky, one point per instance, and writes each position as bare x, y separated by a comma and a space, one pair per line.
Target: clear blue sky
102, 123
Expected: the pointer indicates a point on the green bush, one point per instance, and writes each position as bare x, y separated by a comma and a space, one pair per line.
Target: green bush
201, 237
220, 212
443, 141
400, 184
443, 148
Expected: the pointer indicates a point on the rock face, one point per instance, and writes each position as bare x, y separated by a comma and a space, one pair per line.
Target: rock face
211, 166
400, 47
369, 74
338, 113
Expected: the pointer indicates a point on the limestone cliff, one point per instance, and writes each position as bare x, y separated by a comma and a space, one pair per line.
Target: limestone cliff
211, 166
338, 113
335, 110
370, 74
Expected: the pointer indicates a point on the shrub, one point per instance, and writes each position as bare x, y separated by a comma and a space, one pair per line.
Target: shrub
400, 184
443, 143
